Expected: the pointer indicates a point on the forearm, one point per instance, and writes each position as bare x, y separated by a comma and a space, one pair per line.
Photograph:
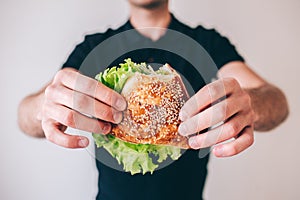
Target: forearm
270, 107
27, 115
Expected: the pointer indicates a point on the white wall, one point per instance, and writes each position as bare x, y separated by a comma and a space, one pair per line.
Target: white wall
37, 36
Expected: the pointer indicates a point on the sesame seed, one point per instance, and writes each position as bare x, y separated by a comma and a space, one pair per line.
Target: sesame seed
153, 109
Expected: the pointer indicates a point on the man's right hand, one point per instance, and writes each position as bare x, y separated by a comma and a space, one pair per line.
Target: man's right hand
74, 100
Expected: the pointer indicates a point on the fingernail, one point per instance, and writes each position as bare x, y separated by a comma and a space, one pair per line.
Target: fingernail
121, 104
118, 117
218, 150
193, 143
182, 130
83, 142
106, 128
182, 115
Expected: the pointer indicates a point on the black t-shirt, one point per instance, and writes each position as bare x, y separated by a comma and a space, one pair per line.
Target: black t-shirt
197, 54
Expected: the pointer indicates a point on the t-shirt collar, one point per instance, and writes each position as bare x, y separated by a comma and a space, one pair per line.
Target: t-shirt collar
174, 25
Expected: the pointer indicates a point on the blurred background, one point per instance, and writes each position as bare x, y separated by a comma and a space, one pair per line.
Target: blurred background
36, 37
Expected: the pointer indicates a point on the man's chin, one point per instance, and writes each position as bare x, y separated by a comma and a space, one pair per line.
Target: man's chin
150, 5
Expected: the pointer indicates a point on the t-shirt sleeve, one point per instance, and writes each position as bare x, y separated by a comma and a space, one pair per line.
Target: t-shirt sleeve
222, 50
78, 55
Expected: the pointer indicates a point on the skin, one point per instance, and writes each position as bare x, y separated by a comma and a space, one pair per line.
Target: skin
251, 103
143, 18
61, 103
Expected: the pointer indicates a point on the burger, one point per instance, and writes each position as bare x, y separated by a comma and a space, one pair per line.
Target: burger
151, 120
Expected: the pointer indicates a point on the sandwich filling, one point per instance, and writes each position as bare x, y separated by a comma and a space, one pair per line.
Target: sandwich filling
151, 119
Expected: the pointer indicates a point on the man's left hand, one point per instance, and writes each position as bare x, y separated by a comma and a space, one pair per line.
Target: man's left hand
221, 102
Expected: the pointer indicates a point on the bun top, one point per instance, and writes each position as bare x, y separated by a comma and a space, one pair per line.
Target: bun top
152, 115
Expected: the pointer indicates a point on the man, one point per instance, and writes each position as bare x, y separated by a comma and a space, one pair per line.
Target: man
250, 104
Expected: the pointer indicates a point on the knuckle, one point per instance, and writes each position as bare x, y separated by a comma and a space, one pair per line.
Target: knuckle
251, 116
232, 129
50, 137
205, 89
210, 140
103, 128
81, 101
69, 142
196, 142
59, 76
233, 82
107, 96
249, 140
50, 91
69, 119
46, 111
247, 97
234, 150
192, 103
249, 103
212, 91
88, 85
219, 113
196, 124
104, 112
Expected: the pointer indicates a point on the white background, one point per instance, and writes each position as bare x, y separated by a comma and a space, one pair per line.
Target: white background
37, 36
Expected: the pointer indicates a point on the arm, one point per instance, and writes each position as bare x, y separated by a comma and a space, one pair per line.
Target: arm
28, 113
70, 100
250, 103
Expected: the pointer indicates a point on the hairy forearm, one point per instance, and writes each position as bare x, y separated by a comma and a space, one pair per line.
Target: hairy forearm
270, 106
27, 115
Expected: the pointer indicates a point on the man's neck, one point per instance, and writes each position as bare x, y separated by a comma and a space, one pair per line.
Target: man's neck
151, 23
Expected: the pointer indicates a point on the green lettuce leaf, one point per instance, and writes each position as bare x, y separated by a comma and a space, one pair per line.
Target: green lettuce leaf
135, 158
116, 77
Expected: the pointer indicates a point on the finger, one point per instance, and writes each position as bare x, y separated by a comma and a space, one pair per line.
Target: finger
226, 131
53, 134
244, 141
76, 120
91, 87
84, 104
209, 117
208, 95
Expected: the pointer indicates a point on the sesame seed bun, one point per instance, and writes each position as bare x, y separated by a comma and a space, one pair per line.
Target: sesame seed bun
152, 115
